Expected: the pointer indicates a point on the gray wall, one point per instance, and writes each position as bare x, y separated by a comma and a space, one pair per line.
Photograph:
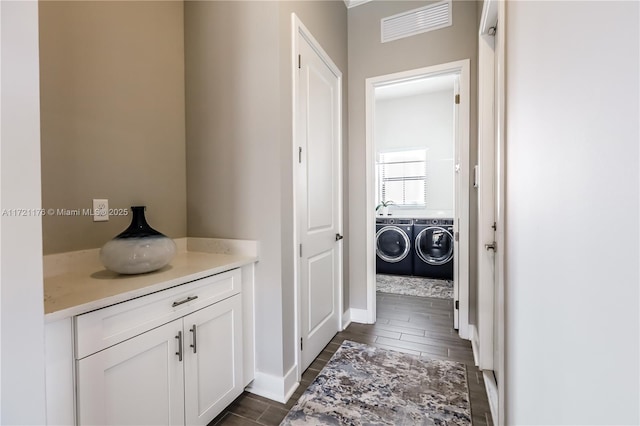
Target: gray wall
233, 173
239, 146
369, 58
572, 157
112, 114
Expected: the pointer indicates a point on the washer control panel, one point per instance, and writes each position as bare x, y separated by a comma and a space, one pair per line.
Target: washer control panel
393, 221
434, 221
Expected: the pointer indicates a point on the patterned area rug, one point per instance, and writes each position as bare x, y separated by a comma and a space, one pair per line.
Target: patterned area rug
414, 286
363, 385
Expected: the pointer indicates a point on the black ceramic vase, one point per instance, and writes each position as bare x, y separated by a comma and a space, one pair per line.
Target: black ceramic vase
138, 249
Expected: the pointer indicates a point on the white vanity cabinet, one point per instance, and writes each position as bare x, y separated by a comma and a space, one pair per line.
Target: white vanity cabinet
136, 382
213, 360
172, 357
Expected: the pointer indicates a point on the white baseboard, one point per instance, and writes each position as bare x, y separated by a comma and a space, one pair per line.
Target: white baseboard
346, 319
492, 394
465, 332
290, 382
273, 387
473, 331
489, 379
359, 315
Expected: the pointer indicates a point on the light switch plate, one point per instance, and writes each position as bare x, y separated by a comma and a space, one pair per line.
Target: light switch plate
100, 210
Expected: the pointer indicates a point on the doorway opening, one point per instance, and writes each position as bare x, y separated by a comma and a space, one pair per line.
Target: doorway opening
417, 170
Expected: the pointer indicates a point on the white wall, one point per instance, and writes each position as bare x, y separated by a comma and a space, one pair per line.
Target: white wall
22, 307
572, 233
421, 121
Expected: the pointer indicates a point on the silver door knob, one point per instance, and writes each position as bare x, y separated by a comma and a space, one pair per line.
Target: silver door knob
491, 246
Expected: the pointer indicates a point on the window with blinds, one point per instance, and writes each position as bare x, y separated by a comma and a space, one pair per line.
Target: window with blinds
402, 177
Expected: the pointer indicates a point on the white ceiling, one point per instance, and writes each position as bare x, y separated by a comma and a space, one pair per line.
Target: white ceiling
415, 87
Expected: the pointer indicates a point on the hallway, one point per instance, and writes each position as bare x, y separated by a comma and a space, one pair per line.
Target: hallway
414, 325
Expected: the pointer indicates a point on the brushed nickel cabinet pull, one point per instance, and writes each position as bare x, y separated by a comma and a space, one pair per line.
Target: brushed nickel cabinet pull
188, 299
193, 330
179, 353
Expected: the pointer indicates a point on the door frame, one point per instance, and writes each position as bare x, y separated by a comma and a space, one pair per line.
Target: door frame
483, 335
462, 68
491, 310
299, 29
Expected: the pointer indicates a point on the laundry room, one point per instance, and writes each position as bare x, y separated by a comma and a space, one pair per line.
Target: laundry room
414, 135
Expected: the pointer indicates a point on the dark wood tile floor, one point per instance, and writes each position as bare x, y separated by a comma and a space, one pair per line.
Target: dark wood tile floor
415, 325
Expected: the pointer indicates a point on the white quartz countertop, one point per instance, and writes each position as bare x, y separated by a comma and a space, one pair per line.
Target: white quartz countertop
76, 282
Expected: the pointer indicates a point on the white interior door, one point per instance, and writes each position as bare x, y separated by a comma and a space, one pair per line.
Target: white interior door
487, 221
319, 209
457, 208
499, 194
318, 199
491, 205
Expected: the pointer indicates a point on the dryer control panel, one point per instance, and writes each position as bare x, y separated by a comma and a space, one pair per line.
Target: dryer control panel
435, 221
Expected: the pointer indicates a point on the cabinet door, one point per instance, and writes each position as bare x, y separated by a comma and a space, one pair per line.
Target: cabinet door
213, 359
136, 382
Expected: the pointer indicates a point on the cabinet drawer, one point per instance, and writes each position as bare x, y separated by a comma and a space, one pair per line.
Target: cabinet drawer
105, 327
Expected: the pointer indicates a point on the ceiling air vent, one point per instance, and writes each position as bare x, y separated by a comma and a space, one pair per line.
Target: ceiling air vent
416, 21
